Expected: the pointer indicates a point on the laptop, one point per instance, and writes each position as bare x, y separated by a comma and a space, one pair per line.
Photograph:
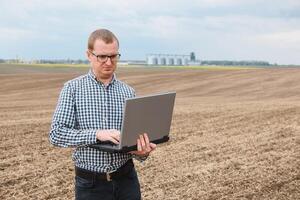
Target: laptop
150, 114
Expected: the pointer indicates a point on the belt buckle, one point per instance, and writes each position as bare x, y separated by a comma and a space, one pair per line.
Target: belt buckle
108, 177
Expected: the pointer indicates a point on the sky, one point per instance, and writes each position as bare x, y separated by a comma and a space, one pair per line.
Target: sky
264, 30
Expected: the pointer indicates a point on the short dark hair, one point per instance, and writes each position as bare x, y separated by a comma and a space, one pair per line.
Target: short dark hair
101, 34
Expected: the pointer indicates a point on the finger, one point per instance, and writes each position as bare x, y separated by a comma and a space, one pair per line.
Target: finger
152, 146
116, 136
143, 142
139, 147
115, 132
147, 142
113, 140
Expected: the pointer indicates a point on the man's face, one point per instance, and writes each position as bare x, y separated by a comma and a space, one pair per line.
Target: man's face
103, 69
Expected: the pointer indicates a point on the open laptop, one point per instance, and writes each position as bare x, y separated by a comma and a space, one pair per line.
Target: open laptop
146, 114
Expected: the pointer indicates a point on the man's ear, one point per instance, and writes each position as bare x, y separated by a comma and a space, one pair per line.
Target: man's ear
88, 55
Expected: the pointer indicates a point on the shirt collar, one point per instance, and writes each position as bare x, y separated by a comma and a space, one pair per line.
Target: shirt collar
93, 76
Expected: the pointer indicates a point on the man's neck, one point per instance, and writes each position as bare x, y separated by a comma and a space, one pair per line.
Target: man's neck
104, 80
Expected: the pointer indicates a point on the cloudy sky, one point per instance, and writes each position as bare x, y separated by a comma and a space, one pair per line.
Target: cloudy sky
267, 30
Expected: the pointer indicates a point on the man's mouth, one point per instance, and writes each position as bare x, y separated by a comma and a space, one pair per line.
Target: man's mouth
107, 68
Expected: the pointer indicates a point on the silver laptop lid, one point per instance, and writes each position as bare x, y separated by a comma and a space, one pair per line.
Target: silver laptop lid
150, 114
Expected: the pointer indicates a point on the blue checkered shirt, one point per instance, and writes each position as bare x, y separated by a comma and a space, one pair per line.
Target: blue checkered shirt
85, 106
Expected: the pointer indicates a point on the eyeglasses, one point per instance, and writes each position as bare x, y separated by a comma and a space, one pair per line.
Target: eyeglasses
104, 58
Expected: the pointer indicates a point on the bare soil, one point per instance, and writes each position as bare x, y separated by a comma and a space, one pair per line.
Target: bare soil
235, 134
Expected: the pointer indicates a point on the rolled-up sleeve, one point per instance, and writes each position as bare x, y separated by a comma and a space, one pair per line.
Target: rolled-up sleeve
63, 132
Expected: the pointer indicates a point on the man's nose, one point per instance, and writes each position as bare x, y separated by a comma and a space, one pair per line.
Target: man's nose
108, 61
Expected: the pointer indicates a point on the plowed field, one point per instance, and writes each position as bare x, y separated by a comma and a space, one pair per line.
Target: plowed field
235, 134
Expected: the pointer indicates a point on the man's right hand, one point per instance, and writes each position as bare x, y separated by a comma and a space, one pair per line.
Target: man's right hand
111, 135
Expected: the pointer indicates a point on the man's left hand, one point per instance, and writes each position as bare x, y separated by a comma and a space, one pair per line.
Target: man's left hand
144, 147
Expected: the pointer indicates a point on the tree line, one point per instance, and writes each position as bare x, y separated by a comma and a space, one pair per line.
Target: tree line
235, 63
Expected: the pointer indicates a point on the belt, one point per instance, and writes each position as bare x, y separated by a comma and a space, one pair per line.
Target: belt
109, 176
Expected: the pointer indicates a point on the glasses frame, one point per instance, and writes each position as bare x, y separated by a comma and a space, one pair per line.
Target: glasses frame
113, 58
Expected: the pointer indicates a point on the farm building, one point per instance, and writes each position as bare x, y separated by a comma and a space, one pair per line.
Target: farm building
171, 59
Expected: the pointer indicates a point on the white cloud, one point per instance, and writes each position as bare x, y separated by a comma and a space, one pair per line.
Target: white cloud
15, 34
284, 39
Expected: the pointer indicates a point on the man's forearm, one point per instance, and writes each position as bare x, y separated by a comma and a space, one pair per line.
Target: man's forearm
69, 137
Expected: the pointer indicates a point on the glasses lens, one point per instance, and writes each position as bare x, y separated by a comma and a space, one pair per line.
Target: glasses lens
115, 57
102, 58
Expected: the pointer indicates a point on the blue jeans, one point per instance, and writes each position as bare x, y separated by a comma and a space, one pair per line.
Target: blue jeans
125, 188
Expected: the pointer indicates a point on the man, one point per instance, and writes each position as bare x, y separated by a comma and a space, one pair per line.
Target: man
89, 110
